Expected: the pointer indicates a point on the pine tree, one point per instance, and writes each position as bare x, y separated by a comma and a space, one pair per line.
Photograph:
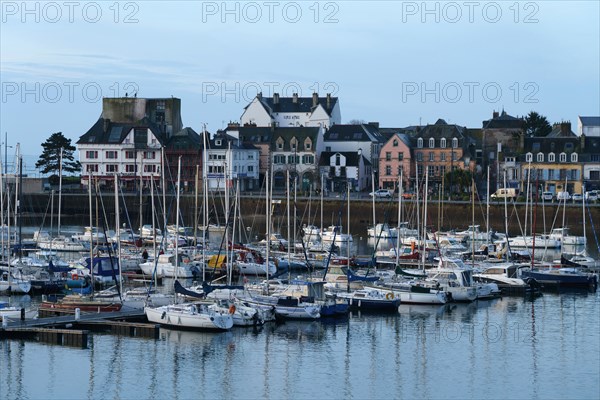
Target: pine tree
49, 161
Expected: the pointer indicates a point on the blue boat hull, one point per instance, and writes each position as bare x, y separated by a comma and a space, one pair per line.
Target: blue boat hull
562, 280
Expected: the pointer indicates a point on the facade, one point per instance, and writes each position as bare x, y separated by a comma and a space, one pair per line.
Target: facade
228, 159
186, 144
354, 137
394, 161
441, 148
259, 137
553, 161
339, 168
296, 150
288, 112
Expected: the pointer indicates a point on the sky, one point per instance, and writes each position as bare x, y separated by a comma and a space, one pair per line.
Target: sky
399, 63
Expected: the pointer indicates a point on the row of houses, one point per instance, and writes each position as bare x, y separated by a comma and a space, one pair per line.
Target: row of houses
143, 140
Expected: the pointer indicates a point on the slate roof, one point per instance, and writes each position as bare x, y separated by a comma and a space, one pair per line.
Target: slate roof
186, 138
116, 132
554, 145
300, 133
224, 139
352, 158
590, 121
441, 129
558, 132
301, 105
254, 134
504, 121
353, 133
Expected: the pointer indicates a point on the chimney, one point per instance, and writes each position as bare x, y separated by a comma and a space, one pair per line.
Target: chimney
495, 114
565, 128
233, 125
328, 101
275, 98
375, 124
259, 95
582, 142
315, 99
106, 124
295, 98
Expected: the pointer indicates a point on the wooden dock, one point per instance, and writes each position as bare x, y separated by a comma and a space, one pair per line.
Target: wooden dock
67, 330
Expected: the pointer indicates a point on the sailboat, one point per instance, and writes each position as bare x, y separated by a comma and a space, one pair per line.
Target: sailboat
189, 315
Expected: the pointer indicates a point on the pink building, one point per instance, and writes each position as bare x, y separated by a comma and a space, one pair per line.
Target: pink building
395, 158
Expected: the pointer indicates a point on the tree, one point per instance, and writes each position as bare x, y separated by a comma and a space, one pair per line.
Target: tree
536, 125
49, 161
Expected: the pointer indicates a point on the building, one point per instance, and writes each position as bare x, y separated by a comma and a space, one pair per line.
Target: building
287, 112
442, 148
259, 137
127, 140
394, 161
230, 160
553, 161
354, 137
339, 168
187, 145
588, 126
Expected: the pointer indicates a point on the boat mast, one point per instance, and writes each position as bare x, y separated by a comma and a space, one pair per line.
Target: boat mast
487, 209
177, 217
348, 223
118, 223
196, 210
204, 203
562, 234
322, 189
425, 216
506, 220
91, 224
287, 192
373, 201
60, 167
399, 218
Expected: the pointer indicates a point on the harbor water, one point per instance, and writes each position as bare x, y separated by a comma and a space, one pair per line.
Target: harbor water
510, 347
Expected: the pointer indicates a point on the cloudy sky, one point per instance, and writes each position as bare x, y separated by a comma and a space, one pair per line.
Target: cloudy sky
399, 63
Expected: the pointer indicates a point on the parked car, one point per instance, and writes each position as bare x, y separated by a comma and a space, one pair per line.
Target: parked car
592, 195
576, 197
408, 195
547, 196
381, 193
560, 196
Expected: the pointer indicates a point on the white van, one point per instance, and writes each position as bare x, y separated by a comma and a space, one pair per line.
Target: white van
509, 193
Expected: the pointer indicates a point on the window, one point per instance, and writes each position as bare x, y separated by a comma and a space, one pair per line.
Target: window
454, 143
130, 154
431, 143
574, 174
130, 168
149, 155
419, 156
540, 157
443, 143
388, 170
442, 156
294, 144
442, 169
569, 146
400, 169
400, 156
430, 170
91, 154
563, 157
293, 159
91, 168
551, 157
454, 156
431, 156
395, 143
112, 168
280, 143
420, 170
111, 155
307, 144
552, 174
250, 168
217, 142
150, 168
338, 159
528, 157
279, 159
420, 143
250, 156
308, 159
388, 156
573, 157
327, 148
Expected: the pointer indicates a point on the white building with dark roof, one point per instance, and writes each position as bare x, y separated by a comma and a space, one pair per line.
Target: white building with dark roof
230, 159
288, 112
341, 167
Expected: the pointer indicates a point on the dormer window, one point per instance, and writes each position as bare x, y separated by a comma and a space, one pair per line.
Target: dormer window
443, 143
217, 142
431, 143
454, 143
573, 157
563, 157
294, 144
529, 157
420, 143
551, 157
307, 144
540, 157
279, 143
